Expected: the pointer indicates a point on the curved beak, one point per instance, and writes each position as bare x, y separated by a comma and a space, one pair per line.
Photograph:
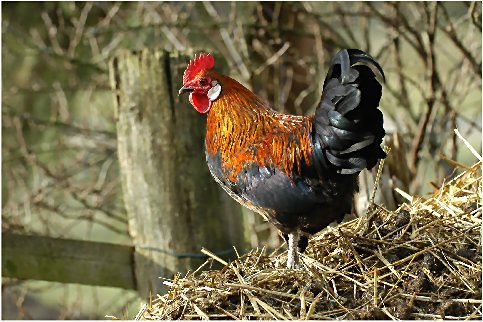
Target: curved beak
185, 89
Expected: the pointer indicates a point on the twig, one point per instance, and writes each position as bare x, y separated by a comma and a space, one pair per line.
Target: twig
468, 145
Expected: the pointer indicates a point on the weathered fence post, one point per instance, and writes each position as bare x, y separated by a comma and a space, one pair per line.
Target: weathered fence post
174, 207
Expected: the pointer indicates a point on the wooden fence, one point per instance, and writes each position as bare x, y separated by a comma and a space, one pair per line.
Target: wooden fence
172, 203
67, 261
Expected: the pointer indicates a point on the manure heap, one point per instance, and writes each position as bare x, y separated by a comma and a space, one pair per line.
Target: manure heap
421, 261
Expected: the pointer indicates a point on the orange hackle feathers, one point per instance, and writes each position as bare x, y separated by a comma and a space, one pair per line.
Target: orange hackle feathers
201, 63
244, 131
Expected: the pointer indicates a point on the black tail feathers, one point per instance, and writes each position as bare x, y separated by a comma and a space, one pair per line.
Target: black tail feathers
348, 126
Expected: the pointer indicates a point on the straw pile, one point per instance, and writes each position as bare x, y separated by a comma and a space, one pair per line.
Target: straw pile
422, 261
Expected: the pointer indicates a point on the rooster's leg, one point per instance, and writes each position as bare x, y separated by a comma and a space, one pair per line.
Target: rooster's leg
293, 257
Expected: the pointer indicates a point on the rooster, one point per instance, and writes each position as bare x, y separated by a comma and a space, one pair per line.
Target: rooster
299, 172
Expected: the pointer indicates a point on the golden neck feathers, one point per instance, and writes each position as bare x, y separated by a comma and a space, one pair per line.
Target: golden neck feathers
243, 130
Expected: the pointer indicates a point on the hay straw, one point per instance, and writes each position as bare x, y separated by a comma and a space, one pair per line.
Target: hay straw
422, 261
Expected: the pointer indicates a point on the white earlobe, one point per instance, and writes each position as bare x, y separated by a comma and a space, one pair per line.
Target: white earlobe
214, 92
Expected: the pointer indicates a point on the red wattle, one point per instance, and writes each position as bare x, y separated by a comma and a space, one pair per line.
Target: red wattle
200, 102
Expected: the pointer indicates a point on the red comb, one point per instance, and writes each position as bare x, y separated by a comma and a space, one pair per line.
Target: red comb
203, 62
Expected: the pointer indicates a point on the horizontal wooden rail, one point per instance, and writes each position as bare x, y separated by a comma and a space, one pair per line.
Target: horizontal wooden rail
67, 261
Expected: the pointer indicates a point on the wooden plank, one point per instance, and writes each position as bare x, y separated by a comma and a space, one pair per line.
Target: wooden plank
67, 261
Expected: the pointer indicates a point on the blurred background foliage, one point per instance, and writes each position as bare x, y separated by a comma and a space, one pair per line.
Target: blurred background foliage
59, 163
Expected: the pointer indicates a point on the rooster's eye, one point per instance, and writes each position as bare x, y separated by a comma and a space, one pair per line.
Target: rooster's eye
203, 81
